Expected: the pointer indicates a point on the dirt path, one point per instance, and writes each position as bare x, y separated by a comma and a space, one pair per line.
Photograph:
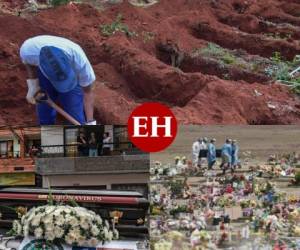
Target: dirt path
260, 140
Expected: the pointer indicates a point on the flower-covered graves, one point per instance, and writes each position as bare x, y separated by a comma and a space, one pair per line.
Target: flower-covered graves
231, 209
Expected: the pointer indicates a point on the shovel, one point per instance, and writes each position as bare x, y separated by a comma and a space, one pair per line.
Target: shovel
42, 97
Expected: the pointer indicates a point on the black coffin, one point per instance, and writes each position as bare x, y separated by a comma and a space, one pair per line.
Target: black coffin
133, 205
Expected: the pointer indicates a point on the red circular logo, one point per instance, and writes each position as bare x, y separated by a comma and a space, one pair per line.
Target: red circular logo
152, 127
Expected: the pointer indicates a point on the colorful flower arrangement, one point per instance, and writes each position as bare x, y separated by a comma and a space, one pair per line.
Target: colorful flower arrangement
178, 209
294, 216
275, 170
71, 225
226, 201
292, 198
181, 166
272, 223
176, 240
163, 245
176, 187
157, 168
200, 238
261, 188
248, 203
296, 231
274, 215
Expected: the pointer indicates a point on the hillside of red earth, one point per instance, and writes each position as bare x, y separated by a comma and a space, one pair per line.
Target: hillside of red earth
232, 53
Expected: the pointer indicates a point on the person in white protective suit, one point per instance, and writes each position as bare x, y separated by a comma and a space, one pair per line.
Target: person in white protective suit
196, 151
202, 155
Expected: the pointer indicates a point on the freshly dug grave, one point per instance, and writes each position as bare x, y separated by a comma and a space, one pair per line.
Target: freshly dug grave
131, 67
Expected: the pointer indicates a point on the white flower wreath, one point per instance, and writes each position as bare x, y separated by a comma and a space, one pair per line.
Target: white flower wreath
76, 226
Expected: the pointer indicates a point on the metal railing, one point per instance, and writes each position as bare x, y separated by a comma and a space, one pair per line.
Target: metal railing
77, 150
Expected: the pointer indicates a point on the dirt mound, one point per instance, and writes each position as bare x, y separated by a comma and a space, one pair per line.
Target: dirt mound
131, 67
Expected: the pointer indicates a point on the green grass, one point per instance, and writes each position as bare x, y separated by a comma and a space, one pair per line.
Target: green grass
223, 55
211, 49
228, 59
275, 67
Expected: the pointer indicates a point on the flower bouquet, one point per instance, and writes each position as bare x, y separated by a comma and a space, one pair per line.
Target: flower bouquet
157, 169
156, 210
178, 209
294, 216
261, 187
172, 240
226, 201
177, 159
181, 165
163, 245
247, 212
248, 203
176, 187
200, 238
271, 222
75, 226
296, 231
292, 198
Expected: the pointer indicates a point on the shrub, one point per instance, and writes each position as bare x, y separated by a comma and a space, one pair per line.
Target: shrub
115, 26
280, 69
223, 55
276, 57
228, 58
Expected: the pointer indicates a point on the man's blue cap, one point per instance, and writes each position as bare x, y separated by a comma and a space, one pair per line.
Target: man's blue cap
56, 66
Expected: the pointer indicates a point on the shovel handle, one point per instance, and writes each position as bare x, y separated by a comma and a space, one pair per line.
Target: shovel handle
62, 112
42, 97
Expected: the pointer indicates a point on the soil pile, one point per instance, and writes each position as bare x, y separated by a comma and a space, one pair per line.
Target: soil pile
124, 44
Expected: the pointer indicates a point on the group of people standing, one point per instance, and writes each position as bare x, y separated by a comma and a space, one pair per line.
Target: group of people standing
90, 145
205, 150
229, 154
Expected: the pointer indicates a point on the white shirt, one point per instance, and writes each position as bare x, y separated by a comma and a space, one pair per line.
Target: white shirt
107, 143
30, 52
203, 146
196, 147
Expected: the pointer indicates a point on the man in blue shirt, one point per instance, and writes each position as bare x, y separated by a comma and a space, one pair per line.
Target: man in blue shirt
226, 155
60, 68
211, 154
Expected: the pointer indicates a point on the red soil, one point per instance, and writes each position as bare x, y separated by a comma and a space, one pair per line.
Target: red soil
129, 70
